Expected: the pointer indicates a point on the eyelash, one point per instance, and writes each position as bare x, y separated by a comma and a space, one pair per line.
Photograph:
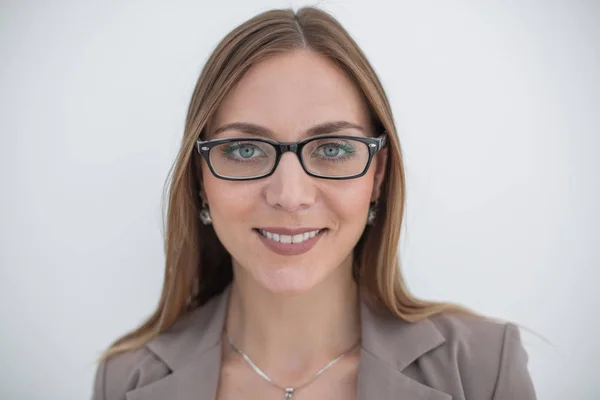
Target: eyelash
228, 150
350, 152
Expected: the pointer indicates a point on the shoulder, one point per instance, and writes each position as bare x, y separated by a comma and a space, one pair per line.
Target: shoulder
186, 341
486, 357
462, 331
126, 371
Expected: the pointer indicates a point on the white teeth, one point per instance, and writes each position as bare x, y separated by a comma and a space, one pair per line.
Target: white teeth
285, 239
301, 237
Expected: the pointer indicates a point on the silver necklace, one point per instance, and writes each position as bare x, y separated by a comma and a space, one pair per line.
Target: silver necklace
289, 391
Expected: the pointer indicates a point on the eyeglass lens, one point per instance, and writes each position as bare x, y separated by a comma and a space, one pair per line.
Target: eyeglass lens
328, 157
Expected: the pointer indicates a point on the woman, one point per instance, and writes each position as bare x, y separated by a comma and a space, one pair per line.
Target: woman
282, 277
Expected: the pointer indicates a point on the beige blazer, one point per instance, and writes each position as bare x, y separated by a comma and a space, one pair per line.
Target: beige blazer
441, 358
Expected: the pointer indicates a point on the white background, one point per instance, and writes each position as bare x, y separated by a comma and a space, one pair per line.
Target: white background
498, 111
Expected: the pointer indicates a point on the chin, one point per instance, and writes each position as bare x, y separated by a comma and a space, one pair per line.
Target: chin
288, 281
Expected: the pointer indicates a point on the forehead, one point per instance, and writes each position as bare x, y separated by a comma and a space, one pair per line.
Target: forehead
291, 92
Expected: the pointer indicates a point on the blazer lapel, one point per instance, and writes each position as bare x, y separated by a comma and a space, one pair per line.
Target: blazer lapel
389, 345
196, 381
192, 350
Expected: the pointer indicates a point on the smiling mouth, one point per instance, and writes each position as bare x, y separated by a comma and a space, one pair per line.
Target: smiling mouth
290, 239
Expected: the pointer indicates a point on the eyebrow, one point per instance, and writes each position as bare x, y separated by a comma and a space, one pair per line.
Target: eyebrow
321, 129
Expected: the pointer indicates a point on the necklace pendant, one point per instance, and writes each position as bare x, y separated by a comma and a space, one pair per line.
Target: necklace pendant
289, 393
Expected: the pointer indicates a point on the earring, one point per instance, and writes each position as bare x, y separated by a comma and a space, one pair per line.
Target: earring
372, 213
205, 214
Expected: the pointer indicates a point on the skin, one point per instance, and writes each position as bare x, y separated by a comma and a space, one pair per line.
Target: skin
292, 314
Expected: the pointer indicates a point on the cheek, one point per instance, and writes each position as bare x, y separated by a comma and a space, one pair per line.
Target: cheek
231, 201
232, 205
349, 202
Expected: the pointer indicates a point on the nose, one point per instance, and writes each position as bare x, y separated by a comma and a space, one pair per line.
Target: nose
290, 188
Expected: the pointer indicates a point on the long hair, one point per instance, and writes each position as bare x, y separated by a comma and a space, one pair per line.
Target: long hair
197, 266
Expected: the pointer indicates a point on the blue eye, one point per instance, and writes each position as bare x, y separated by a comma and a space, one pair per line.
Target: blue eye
244, 151
332, 151
335, 151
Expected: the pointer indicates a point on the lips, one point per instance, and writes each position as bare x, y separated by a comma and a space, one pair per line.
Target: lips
281, 238
290, 241
288, 231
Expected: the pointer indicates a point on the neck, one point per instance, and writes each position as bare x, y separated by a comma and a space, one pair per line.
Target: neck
293, 336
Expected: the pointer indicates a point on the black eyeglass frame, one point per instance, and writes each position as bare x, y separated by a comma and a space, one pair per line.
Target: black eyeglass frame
373, 144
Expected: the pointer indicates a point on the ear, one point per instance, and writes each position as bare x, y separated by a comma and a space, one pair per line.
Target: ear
380, 166
202, 193
197, 165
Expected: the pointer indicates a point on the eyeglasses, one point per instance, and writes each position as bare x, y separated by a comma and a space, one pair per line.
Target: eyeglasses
327, 156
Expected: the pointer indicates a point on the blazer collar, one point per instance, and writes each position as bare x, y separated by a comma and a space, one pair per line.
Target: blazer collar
192, 350
389, 345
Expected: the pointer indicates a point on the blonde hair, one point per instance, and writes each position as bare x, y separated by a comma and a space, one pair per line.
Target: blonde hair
197, 265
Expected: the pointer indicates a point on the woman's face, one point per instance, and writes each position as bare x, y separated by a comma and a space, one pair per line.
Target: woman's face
289, 94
